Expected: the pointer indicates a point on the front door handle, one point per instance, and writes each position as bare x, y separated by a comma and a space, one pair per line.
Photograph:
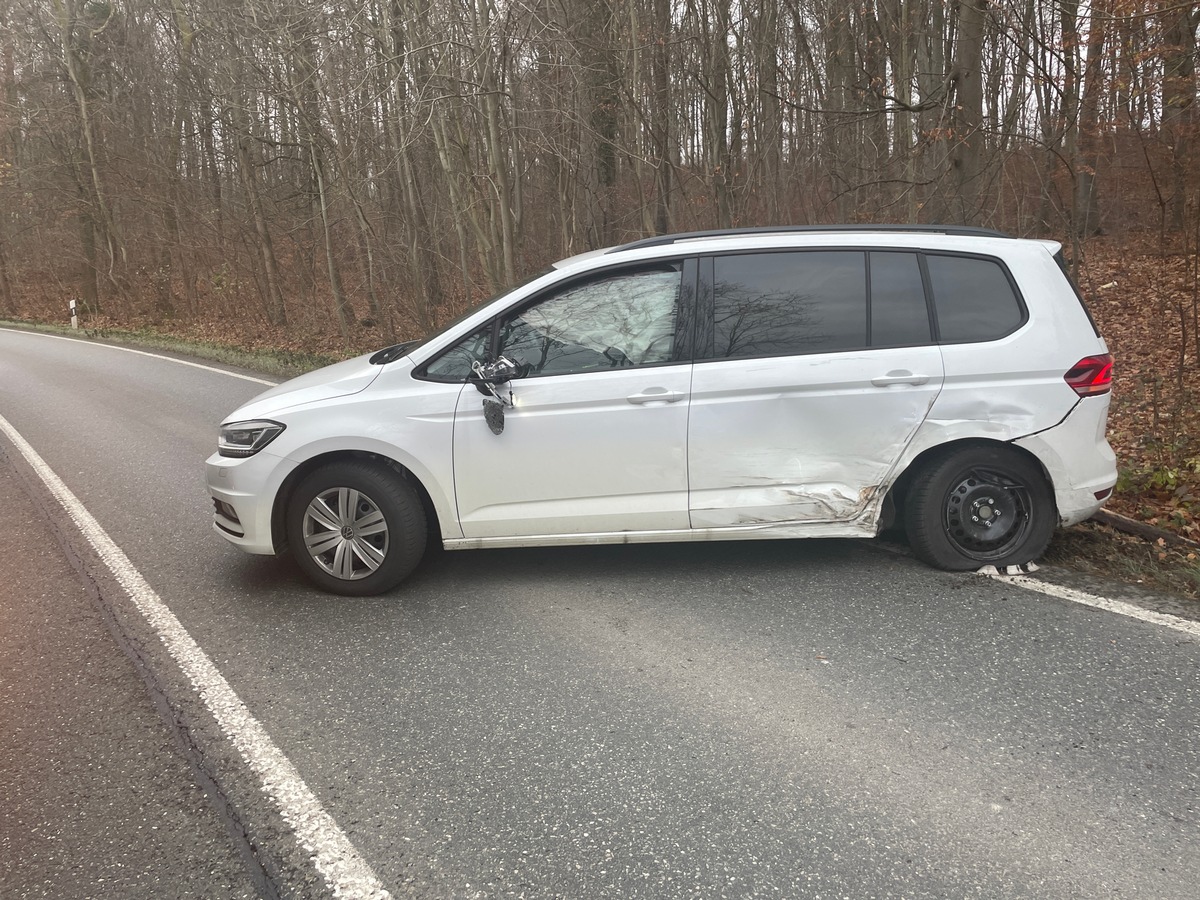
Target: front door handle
655, 395
899, 376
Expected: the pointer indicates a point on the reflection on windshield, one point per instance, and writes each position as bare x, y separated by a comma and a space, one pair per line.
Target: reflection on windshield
474, 308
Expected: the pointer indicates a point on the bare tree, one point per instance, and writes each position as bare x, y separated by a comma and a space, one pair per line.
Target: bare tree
379, 164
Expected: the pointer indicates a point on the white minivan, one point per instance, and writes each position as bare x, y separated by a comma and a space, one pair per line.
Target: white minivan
729, 385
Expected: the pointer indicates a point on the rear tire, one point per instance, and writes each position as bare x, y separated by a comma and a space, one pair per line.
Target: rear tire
979, 506
356, 528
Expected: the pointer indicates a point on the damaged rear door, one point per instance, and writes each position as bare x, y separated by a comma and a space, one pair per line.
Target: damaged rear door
816, 370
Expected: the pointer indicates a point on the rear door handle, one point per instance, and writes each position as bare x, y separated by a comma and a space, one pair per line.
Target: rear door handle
899, 376
655, 395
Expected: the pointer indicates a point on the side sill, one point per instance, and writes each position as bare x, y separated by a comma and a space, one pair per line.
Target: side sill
773, 531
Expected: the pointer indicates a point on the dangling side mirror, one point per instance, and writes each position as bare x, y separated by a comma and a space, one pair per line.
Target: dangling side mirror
487, 377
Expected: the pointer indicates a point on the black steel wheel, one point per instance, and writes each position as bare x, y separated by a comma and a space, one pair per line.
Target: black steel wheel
978, 506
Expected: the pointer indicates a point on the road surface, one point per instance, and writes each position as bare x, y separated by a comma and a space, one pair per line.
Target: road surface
781, 719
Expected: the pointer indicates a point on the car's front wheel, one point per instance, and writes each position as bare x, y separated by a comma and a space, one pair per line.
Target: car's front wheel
356, 528
979, 506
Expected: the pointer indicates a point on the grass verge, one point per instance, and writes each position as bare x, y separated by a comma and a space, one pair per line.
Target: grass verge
1100, 550
265, 361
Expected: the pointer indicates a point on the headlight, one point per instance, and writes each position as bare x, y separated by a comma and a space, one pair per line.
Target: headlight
241, 439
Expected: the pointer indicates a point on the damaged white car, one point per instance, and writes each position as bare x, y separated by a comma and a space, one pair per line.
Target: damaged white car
732, 385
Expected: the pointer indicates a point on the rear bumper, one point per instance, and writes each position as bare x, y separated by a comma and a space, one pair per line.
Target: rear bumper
1076, 455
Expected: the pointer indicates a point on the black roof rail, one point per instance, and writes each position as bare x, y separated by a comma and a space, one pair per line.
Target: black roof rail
664, 239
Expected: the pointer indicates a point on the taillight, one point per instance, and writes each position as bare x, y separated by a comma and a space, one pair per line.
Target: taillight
1091, 375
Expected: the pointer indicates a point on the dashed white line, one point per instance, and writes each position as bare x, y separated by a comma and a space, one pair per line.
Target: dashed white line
182, 362
1166, 620
339, 863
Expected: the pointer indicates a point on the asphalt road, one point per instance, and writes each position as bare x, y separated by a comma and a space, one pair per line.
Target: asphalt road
785, 719
97, 799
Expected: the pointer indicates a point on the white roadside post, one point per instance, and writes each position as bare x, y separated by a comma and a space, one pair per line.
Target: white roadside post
74, 317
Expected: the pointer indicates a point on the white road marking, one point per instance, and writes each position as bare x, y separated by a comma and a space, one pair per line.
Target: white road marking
344, 870
1166, 620
182, 362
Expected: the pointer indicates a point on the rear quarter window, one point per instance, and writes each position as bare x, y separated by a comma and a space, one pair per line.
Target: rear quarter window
974, 297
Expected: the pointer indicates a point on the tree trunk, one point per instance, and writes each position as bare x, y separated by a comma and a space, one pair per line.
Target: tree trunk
305, 89
967, 155
97, 223
1179, 98
1087, 208
247, 170
662, 115
7, 300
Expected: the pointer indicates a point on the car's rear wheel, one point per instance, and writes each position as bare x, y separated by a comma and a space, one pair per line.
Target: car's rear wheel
356, 528
979, 506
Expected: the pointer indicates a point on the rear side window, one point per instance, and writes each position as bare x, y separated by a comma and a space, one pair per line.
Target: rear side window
780, 304
974, 299
899, 315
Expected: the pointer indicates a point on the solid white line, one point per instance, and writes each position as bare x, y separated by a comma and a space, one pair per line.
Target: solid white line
1166, 620
182, 362
344, 870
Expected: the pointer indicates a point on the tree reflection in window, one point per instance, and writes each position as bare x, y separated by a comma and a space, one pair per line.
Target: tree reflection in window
455, 363
777, 304
618, 321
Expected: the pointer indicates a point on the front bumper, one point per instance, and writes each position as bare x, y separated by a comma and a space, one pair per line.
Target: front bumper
244, 491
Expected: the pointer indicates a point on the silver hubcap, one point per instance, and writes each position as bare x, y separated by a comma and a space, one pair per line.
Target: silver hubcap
345, 533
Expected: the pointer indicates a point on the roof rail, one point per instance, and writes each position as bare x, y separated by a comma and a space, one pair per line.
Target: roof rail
664, 239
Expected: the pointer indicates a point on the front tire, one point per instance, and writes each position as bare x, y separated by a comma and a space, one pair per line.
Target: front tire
356, 528
979, 506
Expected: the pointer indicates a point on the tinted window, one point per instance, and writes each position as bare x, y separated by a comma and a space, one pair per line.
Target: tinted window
899, 315
776, 304
974, 299
613, 322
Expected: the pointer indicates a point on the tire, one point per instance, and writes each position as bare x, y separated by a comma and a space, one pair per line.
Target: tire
979, 506
356, 528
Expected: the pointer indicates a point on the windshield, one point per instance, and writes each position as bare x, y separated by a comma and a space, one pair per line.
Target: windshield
394, 352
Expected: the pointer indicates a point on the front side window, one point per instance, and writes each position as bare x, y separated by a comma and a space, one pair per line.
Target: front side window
616, 321
455, 363
780, 304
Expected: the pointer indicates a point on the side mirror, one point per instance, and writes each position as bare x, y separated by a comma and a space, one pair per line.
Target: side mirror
486, 376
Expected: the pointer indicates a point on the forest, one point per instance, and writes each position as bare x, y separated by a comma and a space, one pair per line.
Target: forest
385, 161
334, 176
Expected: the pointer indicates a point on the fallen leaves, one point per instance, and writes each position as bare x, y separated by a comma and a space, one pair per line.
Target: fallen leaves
1146, 303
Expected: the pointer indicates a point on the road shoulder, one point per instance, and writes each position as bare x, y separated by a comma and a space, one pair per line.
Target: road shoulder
98, 800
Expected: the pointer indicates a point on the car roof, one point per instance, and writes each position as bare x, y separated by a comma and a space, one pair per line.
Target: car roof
926, 237
949, 230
